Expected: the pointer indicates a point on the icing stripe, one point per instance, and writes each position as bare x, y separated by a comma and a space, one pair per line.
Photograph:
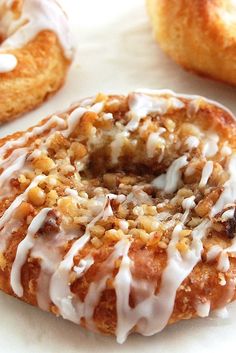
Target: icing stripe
60, 292
152, 314
169, 182
17, 165
18, 200
189, 97
77, 114
37, 16
23, 249
8, 62
96, 288
206, 173
34, 132
229, 193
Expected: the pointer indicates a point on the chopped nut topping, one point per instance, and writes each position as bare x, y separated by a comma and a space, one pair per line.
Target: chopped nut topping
51, 224
44, 164
80, 173
24, 210
231, 226
36, 196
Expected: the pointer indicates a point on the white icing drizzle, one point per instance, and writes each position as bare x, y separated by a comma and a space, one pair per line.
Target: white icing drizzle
152, 314
192, 142
36, 153
138, 197
175, 103
162, 216
117, 144
87, 101
210, 147
8, 62
108, 212
97, 107
7, 162
83, 265
196, 100
226, 150
73, 120
229, 193
194, 106
107, 116
16, 160
12, 164
213, 252
36, 16
223, 263
228, 214
75, 195
77, 114
222, 313
122, 285
17, 165
60, 293
124, 225
141, 105
206, 173
154, 139
190, 170
189, 203
49, 261
96, 288
203, 309
18, 200
59, 290
8, 229
169, 182
228, 196
59, 122
23, 249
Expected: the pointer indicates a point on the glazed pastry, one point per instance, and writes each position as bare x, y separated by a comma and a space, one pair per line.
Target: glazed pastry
35, 53
199, 35
119, 214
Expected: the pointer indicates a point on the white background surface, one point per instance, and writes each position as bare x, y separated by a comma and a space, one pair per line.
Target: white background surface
115, 54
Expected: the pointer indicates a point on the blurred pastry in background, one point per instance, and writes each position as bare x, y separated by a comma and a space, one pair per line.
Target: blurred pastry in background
198, 35
35, 54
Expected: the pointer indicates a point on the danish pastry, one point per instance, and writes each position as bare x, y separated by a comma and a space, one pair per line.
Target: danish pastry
35, 53
199, 35
119, 214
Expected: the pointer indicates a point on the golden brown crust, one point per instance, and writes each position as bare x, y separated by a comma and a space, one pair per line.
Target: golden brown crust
148, 254
199, 35
41, 70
